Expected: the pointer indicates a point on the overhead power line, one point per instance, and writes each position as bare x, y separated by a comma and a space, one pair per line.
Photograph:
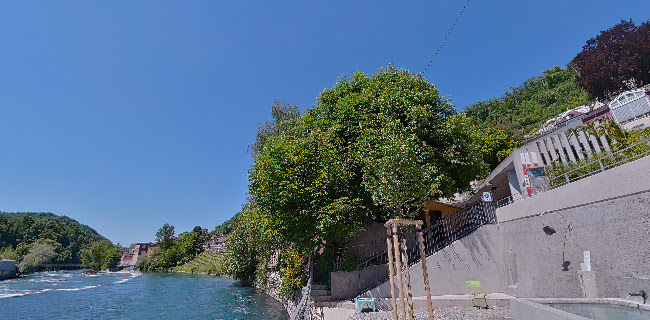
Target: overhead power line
447, 36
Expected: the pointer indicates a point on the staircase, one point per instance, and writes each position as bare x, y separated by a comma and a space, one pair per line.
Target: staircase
319, 293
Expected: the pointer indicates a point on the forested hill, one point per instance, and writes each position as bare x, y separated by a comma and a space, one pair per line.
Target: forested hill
21, 230
500, 124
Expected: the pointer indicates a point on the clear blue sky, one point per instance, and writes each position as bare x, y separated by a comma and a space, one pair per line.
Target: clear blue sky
128, 114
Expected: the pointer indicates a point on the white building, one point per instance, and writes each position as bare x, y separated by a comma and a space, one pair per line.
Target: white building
631, 109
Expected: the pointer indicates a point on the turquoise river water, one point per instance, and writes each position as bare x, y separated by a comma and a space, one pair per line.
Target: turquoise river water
132, 295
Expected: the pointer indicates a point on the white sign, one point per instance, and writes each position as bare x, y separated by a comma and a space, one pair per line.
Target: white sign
487, 197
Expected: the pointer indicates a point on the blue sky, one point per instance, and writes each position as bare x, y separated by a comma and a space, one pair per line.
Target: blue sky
128, 114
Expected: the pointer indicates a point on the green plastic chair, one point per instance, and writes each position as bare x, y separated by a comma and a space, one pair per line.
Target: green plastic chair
479, 298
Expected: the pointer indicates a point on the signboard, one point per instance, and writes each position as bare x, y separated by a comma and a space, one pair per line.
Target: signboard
487, 197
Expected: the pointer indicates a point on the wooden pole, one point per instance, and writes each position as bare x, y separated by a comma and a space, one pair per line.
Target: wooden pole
407, 277
391, 271
425, 273
398, 265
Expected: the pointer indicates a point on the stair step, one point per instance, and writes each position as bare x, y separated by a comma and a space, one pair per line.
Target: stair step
321, 298
319, 292
319, 287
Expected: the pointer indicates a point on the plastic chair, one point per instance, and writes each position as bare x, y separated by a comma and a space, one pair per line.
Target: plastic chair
366, 303
479, 298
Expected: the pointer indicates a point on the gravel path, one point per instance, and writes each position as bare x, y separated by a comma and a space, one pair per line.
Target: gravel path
495, 313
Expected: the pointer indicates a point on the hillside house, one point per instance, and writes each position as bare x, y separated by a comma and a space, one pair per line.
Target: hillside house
135, 251
216, 244
631, 109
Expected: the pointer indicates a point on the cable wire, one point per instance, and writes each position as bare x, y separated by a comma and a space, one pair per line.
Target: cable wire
447, 36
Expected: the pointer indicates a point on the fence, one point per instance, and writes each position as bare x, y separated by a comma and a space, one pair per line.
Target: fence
441, 233
597, 164
600, 163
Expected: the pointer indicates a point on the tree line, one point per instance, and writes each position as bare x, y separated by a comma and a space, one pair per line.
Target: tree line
37, 238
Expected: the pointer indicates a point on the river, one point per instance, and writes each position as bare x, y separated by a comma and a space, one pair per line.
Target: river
132, 295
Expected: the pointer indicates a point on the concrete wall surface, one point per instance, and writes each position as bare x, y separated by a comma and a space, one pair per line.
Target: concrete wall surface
347, 285
477, 257
623, 180
613, 235
368, 242
526, 310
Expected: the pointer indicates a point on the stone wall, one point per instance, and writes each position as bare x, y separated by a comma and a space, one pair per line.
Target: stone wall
347, 285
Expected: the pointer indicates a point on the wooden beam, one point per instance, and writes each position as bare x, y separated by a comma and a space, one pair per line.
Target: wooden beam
407, 277
391, 270
425, 273
398, 264
402, 222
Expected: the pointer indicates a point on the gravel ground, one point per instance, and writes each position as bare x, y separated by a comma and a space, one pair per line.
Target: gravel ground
495, 313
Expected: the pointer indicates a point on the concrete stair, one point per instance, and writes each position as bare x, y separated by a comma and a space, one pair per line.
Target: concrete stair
319, 293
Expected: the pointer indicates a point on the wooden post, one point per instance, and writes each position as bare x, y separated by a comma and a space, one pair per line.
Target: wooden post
425, 273
391, 270
398, 265
407, 277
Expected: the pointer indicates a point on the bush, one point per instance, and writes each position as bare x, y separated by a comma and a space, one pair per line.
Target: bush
293, 272
41, 252
101, 255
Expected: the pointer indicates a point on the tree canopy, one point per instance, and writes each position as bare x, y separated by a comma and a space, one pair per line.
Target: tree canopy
101, 255
618, 54
20, 231
374, 147
500, 124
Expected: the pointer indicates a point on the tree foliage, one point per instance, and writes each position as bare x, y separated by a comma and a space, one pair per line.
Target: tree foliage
165, 236
101, 255
374, 147
19, 231
249, 244
500, 124
616, 55
39, 253
174, 250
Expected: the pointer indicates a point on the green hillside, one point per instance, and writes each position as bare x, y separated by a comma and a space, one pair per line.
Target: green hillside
60, 236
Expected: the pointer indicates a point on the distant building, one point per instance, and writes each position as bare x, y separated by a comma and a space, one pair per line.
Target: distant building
135, 251
216, 244
7, 269
631, 109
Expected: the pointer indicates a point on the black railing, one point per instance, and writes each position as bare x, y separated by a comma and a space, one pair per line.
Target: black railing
441, 233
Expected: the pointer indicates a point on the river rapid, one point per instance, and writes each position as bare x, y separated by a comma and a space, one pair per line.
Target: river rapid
132, 295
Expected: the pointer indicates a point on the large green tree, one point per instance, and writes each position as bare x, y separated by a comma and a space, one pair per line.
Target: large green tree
101, 255
374, 147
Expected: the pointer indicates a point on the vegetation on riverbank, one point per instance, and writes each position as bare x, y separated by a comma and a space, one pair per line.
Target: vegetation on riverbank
101, 255
38, 238
174, 251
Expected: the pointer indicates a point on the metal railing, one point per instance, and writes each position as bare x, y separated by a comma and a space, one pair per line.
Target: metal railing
602, 162
439, 235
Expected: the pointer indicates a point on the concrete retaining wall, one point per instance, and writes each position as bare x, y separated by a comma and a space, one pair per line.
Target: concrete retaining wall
604, 219
347, 285
477, 256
